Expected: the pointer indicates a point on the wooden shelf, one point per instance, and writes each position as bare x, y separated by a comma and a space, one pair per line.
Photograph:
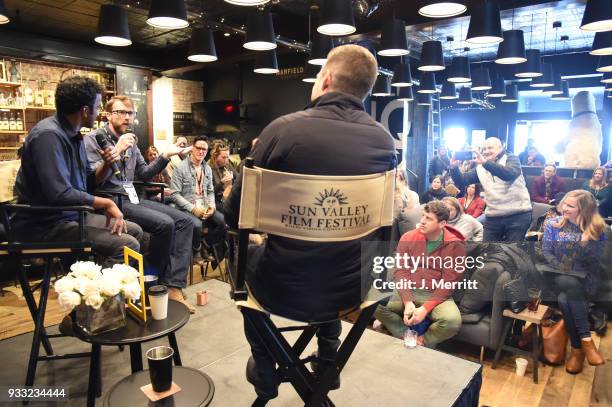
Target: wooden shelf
12, 107
39, 108
10, 84
13, 132
10, 148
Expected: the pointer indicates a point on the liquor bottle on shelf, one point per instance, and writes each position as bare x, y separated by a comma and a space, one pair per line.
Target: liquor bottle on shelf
10, 100
28, 95
4, 122
19, 122
18, 99
12, 124
2, 99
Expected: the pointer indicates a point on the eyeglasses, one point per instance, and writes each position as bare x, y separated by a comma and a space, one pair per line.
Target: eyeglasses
123, 113
200, 148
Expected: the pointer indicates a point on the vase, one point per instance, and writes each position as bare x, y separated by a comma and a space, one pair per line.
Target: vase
110, 316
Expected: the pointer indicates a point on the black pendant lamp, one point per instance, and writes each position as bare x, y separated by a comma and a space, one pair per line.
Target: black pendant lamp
605, 64
532, 68
336, 18
432, 58
557, 87
247, 2
310, 73
381, 86
512, 50
423, 99
459, 71
321, 45
498, 89
4, 17
564, 95
609, 95
406, 94
465, 96
202, 46
442, 8
602, 44
597, 16
402, 77
428, 83
481, 80
169, 14
511, 94
607, 78
113, 28
485, 25
266, 63
260, 31
448, 91
393, 42
547, 78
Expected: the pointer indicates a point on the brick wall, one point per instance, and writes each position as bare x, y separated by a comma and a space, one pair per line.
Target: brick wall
185, 93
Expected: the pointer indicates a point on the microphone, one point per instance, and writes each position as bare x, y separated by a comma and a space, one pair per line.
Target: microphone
126, 155
104, 144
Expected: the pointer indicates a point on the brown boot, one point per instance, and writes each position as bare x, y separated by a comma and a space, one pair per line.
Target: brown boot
177, 295
591, 352
575, 362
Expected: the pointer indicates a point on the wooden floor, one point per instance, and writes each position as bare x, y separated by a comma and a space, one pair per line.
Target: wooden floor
501, 387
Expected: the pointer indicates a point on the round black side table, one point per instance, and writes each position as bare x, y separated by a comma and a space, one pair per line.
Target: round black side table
197, 389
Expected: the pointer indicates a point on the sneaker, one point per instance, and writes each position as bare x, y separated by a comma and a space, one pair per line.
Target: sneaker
377, 326
318, 367
253, 378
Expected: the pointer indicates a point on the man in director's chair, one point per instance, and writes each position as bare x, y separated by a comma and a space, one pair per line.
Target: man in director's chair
319, 182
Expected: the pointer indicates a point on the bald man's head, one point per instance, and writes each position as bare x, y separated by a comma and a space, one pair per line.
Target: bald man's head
491, 148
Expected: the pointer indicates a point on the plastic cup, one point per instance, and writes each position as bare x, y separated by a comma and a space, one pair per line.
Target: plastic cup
521, 366
160, 367
158, 297
410, 338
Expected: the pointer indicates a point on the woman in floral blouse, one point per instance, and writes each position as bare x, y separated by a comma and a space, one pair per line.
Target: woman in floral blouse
572, 245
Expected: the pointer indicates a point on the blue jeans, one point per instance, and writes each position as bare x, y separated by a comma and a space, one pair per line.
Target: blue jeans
171, 233
572, 299
511, 228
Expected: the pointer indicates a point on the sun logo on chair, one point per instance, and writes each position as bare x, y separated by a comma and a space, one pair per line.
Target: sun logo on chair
331, 198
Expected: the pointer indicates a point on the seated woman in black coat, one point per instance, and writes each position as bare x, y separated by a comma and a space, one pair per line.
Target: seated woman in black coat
435, 192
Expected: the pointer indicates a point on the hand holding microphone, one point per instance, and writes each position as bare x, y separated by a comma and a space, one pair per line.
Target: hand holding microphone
109, 154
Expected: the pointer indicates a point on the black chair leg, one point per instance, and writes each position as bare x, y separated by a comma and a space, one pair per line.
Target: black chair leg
174, 346
135, 357
94, 389
22, 275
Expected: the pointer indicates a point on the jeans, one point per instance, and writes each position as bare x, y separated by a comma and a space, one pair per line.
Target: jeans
572, 299
215, 225
446, 319
171, 232
510, 228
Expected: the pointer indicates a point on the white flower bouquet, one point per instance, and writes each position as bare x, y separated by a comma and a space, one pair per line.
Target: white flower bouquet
97, 294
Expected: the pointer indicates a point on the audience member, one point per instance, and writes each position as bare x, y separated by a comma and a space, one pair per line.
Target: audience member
601, 190
171, 230
405, 199
439, 164
193, 192
163, 177
472, 203
433, 240
531, 156
54, 172
508, 206
312, 280
469, 227
571, 246
175, 160
223, 172
435, 192
547, 185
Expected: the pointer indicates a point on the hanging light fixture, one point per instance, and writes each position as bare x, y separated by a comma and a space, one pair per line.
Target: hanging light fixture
512, 50
202, 46
381, 87
602, 44
337, 18
405, 94
266, 62
432, 58
428, 83
564, 95
533, 67
557, 87
4, 17
547, 78
481, 79
605, 64
607, 78
459, 71
321, 45
113, 28
169, 14
485, 25
511, 94
393, 42
260, 31
498, 89
247, 2
465, 96
448, 91
597, 16
310, 73
442, 8
402, 77
423, 99
608, 86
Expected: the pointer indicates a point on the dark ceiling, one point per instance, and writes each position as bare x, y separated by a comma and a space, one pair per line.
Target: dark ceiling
77, 20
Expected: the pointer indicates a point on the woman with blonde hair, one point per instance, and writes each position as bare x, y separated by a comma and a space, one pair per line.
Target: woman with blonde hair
223, 171
405, 198
601, 190
572, 245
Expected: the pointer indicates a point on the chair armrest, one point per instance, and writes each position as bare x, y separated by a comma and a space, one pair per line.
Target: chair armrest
44, 208
238, 246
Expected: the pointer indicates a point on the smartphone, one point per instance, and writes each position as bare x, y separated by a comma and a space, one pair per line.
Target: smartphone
463, 155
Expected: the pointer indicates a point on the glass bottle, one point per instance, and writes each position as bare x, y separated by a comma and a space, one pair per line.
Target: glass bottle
12, 124
19, 122
2, 99
4, 123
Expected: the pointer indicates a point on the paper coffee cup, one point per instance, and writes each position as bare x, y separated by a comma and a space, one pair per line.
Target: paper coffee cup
521, 366
158, 297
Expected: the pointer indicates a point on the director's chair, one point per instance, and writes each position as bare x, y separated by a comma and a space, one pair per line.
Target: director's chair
260, 207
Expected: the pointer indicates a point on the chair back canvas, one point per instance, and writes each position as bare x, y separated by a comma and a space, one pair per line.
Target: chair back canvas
316, 208
8, 176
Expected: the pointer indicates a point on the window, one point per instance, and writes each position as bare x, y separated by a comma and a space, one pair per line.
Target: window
455, 138
542, 132
478, 138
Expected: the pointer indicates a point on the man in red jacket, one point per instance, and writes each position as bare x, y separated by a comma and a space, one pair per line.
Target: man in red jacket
425, 282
